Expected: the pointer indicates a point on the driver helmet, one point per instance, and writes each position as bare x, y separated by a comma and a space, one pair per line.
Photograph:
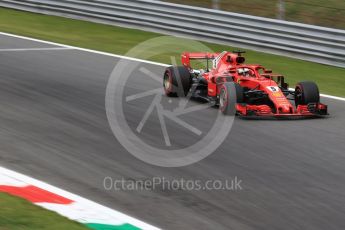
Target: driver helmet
202, 71
243, 71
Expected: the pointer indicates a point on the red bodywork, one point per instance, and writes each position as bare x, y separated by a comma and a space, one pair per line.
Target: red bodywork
227, 64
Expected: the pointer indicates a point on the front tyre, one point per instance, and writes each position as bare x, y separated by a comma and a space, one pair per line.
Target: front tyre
177, 81
230, 94
306, 92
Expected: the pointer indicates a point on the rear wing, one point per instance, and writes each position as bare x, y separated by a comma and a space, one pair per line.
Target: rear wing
186, 57
216, 58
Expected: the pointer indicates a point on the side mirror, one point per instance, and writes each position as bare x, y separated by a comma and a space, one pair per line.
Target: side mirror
240, 60
268, 71
285, 85
228, 59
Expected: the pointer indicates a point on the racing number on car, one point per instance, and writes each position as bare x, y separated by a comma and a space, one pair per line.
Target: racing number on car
275, 90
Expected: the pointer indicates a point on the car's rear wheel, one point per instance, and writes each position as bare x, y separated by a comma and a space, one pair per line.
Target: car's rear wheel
176, 81
306, 92
230, 94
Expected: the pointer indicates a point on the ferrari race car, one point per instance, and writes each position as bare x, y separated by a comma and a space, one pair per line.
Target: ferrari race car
244, 89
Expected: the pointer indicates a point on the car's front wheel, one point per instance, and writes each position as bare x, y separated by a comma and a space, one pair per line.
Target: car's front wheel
176, 81
230, 94
306, 92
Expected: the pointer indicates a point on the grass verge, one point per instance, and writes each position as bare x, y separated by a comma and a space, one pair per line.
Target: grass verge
118, 40
17, 213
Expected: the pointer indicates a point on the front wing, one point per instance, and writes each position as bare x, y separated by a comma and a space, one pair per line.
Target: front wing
310, 110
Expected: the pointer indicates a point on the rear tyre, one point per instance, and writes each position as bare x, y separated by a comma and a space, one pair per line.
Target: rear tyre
177, 81
230, 94
306, 92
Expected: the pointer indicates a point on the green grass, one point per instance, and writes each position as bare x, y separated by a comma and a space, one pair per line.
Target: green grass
17, 213
329, 13
119, 40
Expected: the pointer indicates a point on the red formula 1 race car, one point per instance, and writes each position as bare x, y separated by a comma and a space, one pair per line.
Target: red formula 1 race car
247, 89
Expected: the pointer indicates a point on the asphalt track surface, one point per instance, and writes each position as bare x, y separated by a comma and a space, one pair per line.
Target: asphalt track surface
53, 127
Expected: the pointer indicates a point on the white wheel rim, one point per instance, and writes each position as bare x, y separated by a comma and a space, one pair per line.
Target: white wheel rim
222, 98
167, 83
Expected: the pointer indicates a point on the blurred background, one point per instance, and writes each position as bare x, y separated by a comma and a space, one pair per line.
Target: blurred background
329, 13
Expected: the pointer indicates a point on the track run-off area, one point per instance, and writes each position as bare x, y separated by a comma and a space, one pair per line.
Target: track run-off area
54, 128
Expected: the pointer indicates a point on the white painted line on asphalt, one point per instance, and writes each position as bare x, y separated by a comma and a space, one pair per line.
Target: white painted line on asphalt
119, 56
86, 50
81, 210
332, 97
35, 49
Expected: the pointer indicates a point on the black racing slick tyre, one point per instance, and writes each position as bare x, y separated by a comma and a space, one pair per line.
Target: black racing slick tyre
177, 81
230, 94
306, 92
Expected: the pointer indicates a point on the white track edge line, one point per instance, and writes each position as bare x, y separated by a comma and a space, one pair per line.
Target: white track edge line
71, 196
332, 97
83, 49
118, 56
35, 49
